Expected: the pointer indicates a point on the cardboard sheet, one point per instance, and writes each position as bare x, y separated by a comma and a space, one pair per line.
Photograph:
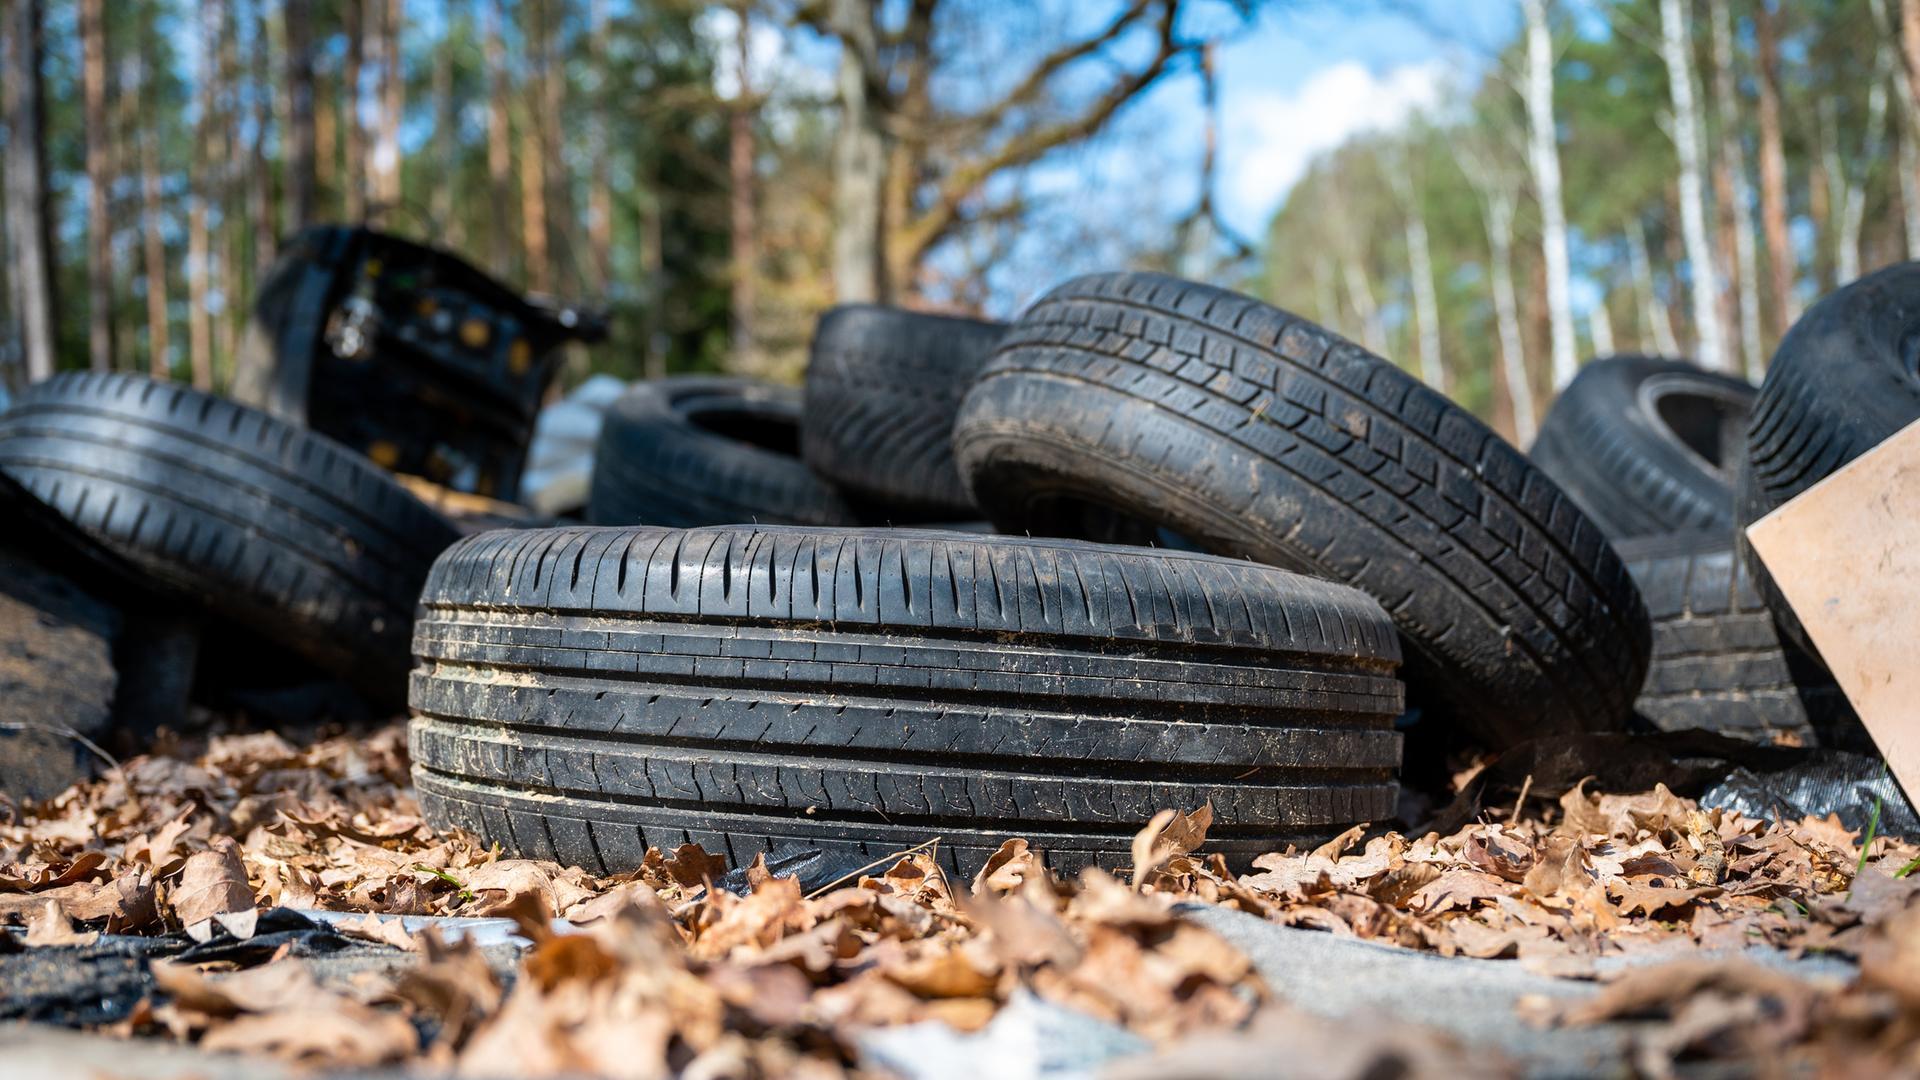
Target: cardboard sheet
1846, 555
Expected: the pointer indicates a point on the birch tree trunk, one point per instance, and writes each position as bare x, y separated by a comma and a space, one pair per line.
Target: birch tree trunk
1544, 156
353, 12
1676, 50
199, 249
1653, 313
1425, 306
297, 135
1600, 329
1773, 172
745, 241
29, 216
859, 162
1910, 190
93, 78
1373, 334
499, 139
1853, 184
1733, 158
1498, 213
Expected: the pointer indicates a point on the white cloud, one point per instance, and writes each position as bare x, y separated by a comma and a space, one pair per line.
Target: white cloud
1269, 139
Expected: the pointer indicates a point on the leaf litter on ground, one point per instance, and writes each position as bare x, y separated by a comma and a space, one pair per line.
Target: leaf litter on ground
668, 975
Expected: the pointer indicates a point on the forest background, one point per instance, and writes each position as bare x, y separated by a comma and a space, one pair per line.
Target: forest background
1539, 182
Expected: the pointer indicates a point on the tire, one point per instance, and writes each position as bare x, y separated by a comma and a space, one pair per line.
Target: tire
701, 450
283, 531
585, 694
1843, 379
1647, 446
1719, 662
1256, 434
881, 390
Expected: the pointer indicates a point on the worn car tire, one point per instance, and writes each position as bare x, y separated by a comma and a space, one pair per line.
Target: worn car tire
1719, 662
881, 391
584, 694
1843, 379
286, 532
1254, 433
1647, 446
706, 450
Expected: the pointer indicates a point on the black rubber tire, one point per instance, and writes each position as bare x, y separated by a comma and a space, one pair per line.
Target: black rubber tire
284, 531
1845, 378
584, 694
1254, 433
1647, 446
881, 390
707, 450
1718, 659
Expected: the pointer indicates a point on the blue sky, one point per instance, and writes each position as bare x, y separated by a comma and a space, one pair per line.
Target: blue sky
1311, 74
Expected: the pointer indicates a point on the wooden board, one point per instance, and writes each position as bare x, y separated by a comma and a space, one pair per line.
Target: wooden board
1846, 555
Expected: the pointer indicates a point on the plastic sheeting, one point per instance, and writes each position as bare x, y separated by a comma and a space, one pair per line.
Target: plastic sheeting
560, 459
1824, 782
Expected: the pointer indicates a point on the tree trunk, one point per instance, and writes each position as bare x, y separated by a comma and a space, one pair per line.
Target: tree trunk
745, 239
599, 180
1738, 213
199, 247
29, 203
1677, 49
297, 135
452, 225
1506, 308
1853, 187
1910, 50
1653, 313
232, 204
1425, 306
1600, 329
353, 14
653, 272
93, 78
563, 266
1544, 154
1773, 172
499, 149
259, 169
533, 158
1373, 333
159, 362
859, 162
1822, 194
393, 90
1910, 190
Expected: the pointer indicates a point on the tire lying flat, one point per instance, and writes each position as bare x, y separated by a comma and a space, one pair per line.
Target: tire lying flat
1719, 662
286, 532
881, 390
1647, 446
584, 694
1254, 433
704, 450
1843, 379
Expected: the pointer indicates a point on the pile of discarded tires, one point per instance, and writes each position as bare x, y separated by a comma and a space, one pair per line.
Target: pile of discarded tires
1191, 550
1673, 463
1151, 545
